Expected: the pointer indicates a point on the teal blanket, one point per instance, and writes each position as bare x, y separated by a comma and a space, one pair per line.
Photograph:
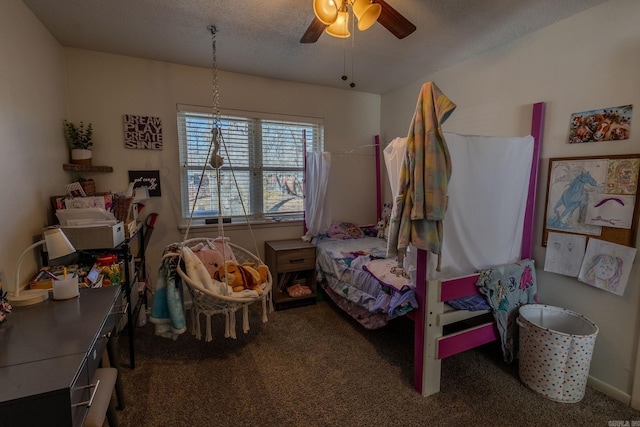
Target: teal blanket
167, 312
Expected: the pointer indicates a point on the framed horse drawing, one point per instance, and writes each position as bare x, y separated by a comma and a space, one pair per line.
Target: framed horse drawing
594, 196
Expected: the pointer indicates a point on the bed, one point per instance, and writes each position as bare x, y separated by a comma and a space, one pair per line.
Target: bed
343, 269
428, 295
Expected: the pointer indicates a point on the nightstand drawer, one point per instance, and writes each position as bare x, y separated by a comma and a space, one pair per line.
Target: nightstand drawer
294, 260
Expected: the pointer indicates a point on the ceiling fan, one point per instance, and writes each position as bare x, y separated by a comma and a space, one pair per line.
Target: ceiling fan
333, 16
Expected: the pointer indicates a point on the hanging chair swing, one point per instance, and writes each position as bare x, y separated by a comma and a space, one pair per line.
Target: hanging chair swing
211, 268
209, 300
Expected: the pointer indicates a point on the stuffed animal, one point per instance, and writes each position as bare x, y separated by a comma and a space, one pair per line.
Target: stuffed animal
241, 277
213, 255
386, 211
382, 228
197, 272
383, 223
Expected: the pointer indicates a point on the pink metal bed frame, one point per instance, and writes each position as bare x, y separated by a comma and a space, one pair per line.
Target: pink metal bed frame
431, 345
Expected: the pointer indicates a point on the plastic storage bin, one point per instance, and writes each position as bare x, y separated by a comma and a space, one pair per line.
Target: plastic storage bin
556, 345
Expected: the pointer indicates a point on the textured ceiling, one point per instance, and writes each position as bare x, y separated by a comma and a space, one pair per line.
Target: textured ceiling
261, 37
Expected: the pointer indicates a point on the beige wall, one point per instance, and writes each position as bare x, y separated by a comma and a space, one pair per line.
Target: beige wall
43, 84
102, 87
585, 62
588, 61
32, 146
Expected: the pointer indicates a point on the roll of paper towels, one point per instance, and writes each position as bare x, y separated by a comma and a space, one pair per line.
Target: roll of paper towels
65, 288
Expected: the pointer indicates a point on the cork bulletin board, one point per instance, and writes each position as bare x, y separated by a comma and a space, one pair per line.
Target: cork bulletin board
593, 196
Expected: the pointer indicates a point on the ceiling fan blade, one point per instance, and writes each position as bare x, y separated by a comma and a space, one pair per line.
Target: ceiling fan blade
393, 21
314, 31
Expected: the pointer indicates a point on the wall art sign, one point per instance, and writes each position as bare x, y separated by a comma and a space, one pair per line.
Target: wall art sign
149, 179
607, 124
142, 132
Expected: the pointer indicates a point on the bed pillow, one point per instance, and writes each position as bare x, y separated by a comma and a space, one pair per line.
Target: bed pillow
344, 230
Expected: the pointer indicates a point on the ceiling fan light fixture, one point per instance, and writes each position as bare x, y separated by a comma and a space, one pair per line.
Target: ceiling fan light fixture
340, 28
366, 12
327, 10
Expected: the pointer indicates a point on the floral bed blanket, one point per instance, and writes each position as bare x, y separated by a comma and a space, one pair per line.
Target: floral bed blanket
341, 265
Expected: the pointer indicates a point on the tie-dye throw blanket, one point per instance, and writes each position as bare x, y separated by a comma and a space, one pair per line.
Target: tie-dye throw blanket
506, 288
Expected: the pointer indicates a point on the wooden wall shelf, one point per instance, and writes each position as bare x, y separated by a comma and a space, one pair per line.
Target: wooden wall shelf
86, 168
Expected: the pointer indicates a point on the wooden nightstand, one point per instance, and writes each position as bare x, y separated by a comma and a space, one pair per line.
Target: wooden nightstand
291, 262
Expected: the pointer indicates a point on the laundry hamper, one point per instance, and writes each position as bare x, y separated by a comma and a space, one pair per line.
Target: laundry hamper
556, 345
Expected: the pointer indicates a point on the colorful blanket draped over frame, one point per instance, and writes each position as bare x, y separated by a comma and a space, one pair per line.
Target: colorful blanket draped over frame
506, 288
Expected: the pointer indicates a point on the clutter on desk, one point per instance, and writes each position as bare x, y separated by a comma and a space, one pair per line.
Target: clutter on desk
44, 278
86, 209
88, 276
89, 222
106, 259
101, 270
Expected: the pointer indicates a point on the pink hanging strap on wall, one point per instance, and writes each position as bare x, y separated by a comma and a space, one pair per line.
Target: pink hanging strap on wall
376, 143
537, 129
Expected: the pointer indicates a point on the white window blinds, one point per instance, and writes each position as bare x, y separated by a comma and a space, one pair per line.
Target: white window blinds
263, 164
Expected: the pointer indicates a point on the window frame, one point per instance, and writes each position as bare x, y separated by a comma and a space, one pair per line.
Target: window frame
255, 168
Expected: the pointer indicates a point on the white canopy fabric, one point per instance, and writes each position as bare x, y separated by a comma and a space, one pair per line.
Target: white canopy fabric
393, 157
316, 204
487, 201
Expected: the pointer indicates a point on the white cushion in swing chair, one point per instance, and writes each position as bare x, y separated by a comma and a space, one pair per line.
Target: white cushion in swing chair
198, 274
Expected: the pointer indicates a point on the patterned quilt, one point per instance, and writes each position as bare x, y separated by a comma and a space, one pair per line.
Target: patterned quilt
507, 287
341, 263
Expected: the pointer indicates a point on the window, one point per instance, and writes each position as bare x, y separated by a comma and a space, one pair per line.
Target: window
263, 154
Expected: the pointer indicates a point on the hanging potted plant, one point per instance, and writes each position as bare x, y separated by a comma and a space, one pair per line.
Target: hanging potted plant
80, 140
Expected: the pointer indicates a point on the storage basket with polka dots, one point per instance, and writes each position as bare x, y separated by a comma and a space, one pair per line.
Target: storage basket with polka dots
556, 345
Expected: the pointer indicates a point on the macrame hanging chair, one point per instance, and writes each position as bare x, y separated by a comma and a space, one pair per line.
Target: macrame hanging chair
211, 296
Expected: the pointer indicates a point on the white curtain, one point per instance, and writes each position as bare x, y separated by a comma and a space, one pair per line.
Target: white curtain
316, 205
393, 157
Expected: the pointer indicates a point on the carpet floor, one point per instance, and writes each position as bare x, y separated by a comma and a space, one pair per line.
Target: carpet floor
315, 366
